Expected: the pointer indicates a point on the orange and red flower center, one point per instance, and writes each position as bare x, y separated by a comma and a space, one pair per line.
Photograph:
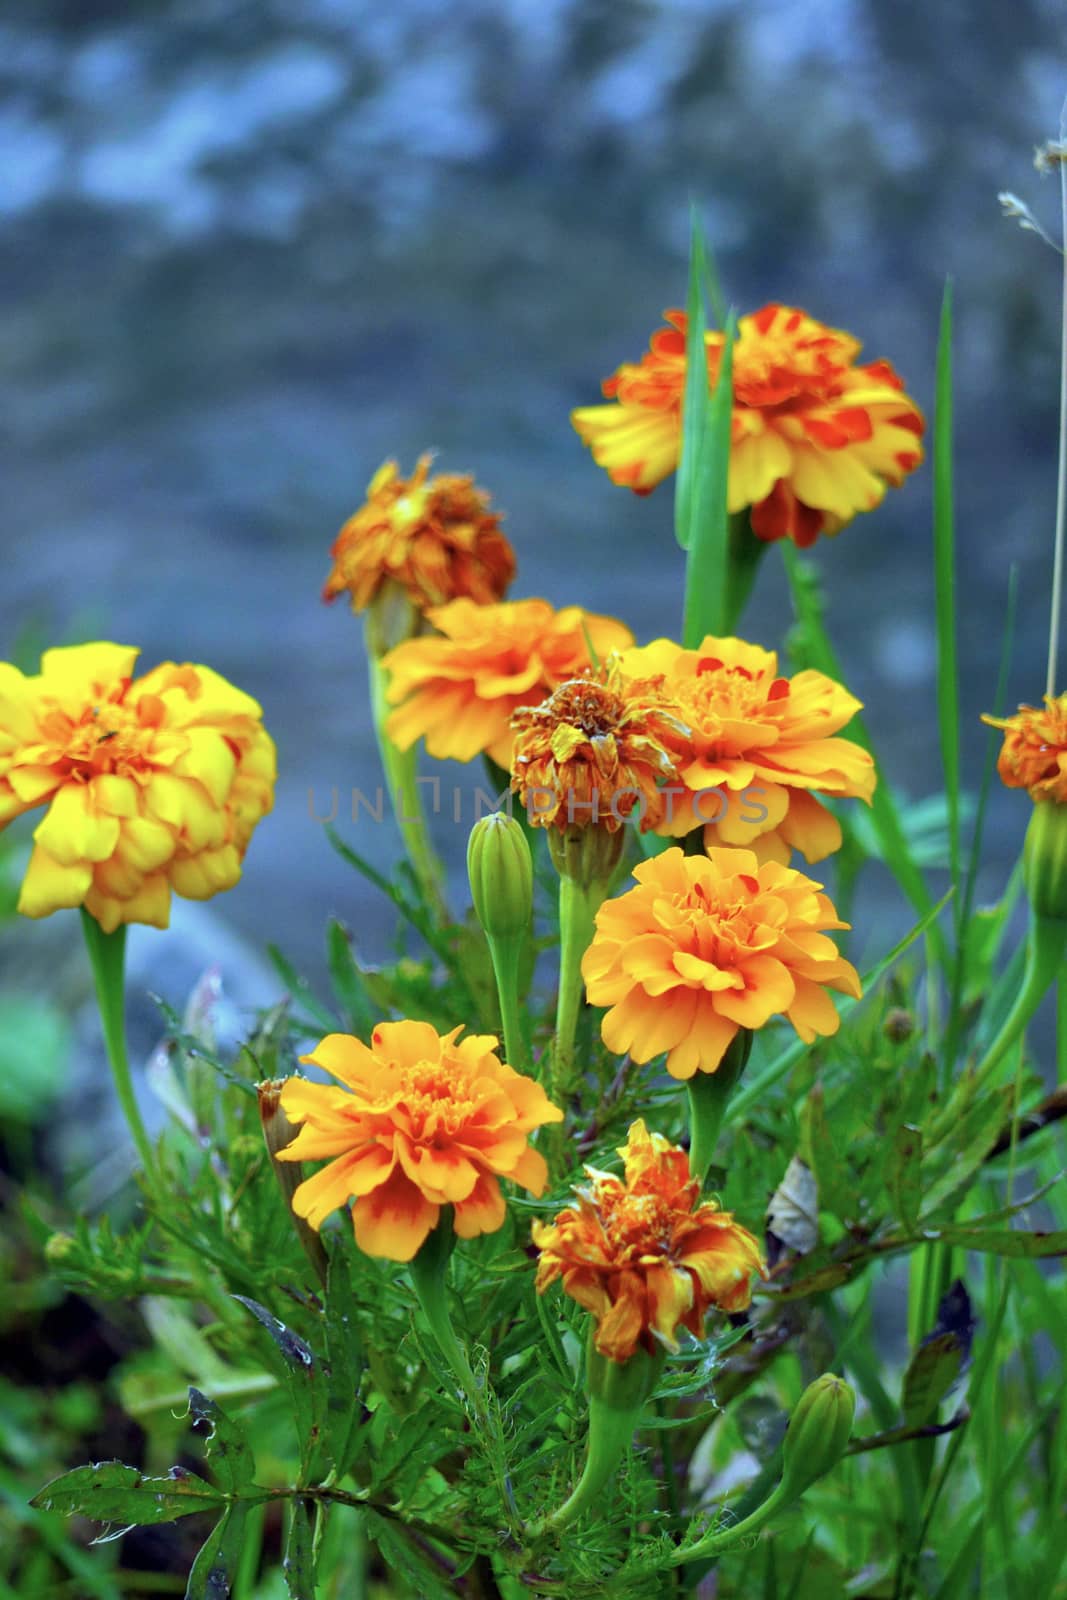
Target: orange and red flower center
635, 1226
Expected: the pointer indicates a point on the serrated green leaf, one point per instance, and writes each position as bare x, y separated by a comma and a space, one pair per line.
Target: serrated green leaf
298, 1563
109, 1491
227, 1450
970, 1132
402, 1557
304, 1375
940, 1359
215, 1567
344, 1408
297, 1352
903, 1173
835, 1188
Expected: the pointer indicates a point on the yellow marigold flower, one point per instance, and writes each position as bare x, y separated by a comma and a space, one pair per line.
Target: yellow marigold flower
423, 1121
459, 691
815, 438
435, 537
1034, 753
760, 748
599, 746
152, 784
642, 1255
706, 945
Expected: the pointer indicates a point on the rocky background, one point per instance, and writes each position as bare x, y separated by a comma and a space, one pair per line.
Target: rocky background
249, 250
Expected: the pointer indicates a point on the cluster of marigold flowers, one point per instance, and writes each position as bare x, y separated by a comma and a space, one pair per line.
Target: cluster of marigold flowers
594, 733
154, 784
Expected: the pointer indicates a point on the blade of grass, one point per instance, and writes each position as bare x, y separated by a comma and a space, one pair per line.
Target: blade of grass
696, 396
707, 574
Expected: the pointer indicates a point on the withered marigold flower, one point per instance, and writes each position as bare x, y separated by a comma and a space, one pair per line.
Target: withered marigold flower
434, 537
459, 691
602, 745
761, 748
1034, 757
815, 437
1034, 753
643, 1255
707, 945
151, 784
423, 1120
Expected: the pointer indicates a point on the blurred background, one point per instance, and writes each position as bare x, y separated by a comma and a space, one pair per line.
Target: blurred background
247, 251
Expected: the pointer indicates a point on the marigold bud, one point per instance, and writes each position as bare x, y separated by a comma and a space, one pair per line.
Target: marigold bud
501, 876
59, 1248
1045, 859
818, 1433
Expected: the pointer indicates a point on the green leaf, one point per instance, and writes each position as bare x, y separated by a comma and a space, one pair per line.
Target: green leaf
304, 1374
696, 397
708, 584
344, 1408
112, 1492
1007, 1242
298, 1563
903, 1177
971, 1131
215, 1568
405, 1559
940, 1360
347, 979
227, 1450
296, 1351
836, 1189
301, 990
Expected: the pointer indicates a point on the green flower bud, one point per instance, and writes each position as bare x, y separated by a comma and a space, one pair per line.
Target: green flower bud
501, 876
1045, 860
59, 1248
587, 855
622, 1385
818, 1433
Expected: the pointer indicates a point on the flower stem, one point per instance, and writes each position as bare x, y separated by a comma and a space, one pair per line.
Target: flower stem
1061, 476
429, 1275
1045, 947
507, 959
107, 956
709, 1095
577, 913
400, 769
744, 554
618, 1391
718, 1543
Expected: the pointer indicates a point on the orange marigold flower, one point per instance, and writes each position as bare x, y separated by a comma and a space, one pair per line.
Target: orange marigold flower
435, 537
151, 784
815, 438
643, 1255
458, 692
1034, 753
706, 945
599, 746
760, 748
424, 1120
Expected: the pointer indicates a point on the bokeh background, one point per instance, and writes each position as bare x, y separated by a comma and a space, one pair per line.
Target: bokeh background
248, 250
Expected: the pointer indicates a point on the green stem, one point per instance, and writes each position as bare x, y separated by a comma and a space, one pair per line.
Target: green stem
1045, 948
618, 1391
709, 1095
577, 913
107, 956
745, 553
429, 1275
717, 1544
507, 962
400, 768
